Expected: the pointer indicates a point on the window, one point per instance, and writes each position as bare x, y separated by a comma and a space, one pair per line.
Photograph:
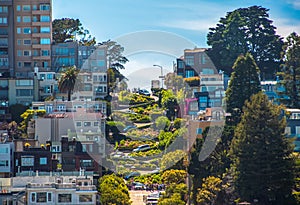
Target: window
19, 64
27, 64
45, 7
3, 31
35, 53
45, 41
27, 53
24, 92
33, 197
4, 150
26, 19
19, 52
27, 42
189, 60
78, 124
96, 124
3, 163
3, 20
43, 160
50, 76
180, 64
45, 18
100, 63
45, 52
18, 8
62, 198
45, 64
85, 198
26, 7
27, 161
189, 73
41, 197
3, 9
100, 53
34, 19
45, 29
49, 196
199, 131
34, 7
203, 59
18, 19
26, 30
297, 130
86, 163
87, 124
207, 71
24, 82
35, 30
18, 30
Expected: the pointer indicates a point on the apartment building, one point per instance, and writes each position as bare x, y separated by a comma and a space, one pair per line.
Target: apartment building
194, 62
6, 38
33, 36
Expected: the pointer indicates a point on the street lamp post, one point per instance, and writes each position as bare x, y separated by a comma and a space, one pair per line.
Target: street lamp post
162, 75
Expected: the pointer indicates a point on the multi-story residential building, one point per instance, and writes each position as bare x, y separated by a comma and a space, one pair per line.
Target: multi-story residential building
194, 62
6, 157
6, 38
72, 53
33, 36
293, 126
79, 190
64, 55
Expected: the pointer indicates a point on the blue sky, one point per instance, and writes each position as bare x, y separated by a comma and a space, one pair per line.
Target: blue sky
185, 23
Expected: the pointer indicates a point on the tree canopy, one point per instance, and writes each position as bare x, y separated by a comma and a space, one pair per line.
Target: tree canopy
113, 190
67, 81
115, 57
71, 29
244, 82
246, 30
262, 155
290, 74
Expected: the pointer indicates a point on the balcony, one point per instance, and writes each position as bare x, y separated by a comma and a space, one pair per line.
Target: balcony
40, 12
40, 23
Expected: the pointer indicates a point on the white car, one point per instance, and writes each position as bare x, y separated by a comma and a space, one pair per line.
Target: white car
141, 148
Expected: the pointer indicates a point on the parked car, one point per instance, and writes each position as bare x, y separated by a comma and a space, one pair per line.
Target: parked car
141, 148
138, 186
144, 92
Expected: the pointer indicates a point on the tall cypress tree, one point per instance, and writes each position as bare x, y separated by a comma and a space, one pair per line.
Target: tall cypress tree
244, 82
290, 96
261, 154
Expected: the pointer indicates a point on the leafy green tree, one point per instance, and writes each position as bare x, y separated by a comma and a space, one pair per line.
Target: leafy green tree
67, 81
217, 162
71, 29
27, 116
116, 61
173, 160
291, 72
175, 199
174, 176
208, 193
162, 123
262, 155
244, 82
115, 56
113, 190
246, 30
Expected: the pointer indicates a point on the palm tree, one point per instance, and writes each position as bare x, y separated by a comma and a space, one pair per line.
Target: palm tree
67, 80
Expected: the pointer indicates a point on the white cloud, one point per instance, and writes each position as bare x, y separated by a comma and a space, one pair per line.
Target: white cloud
287, 26
295, 3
